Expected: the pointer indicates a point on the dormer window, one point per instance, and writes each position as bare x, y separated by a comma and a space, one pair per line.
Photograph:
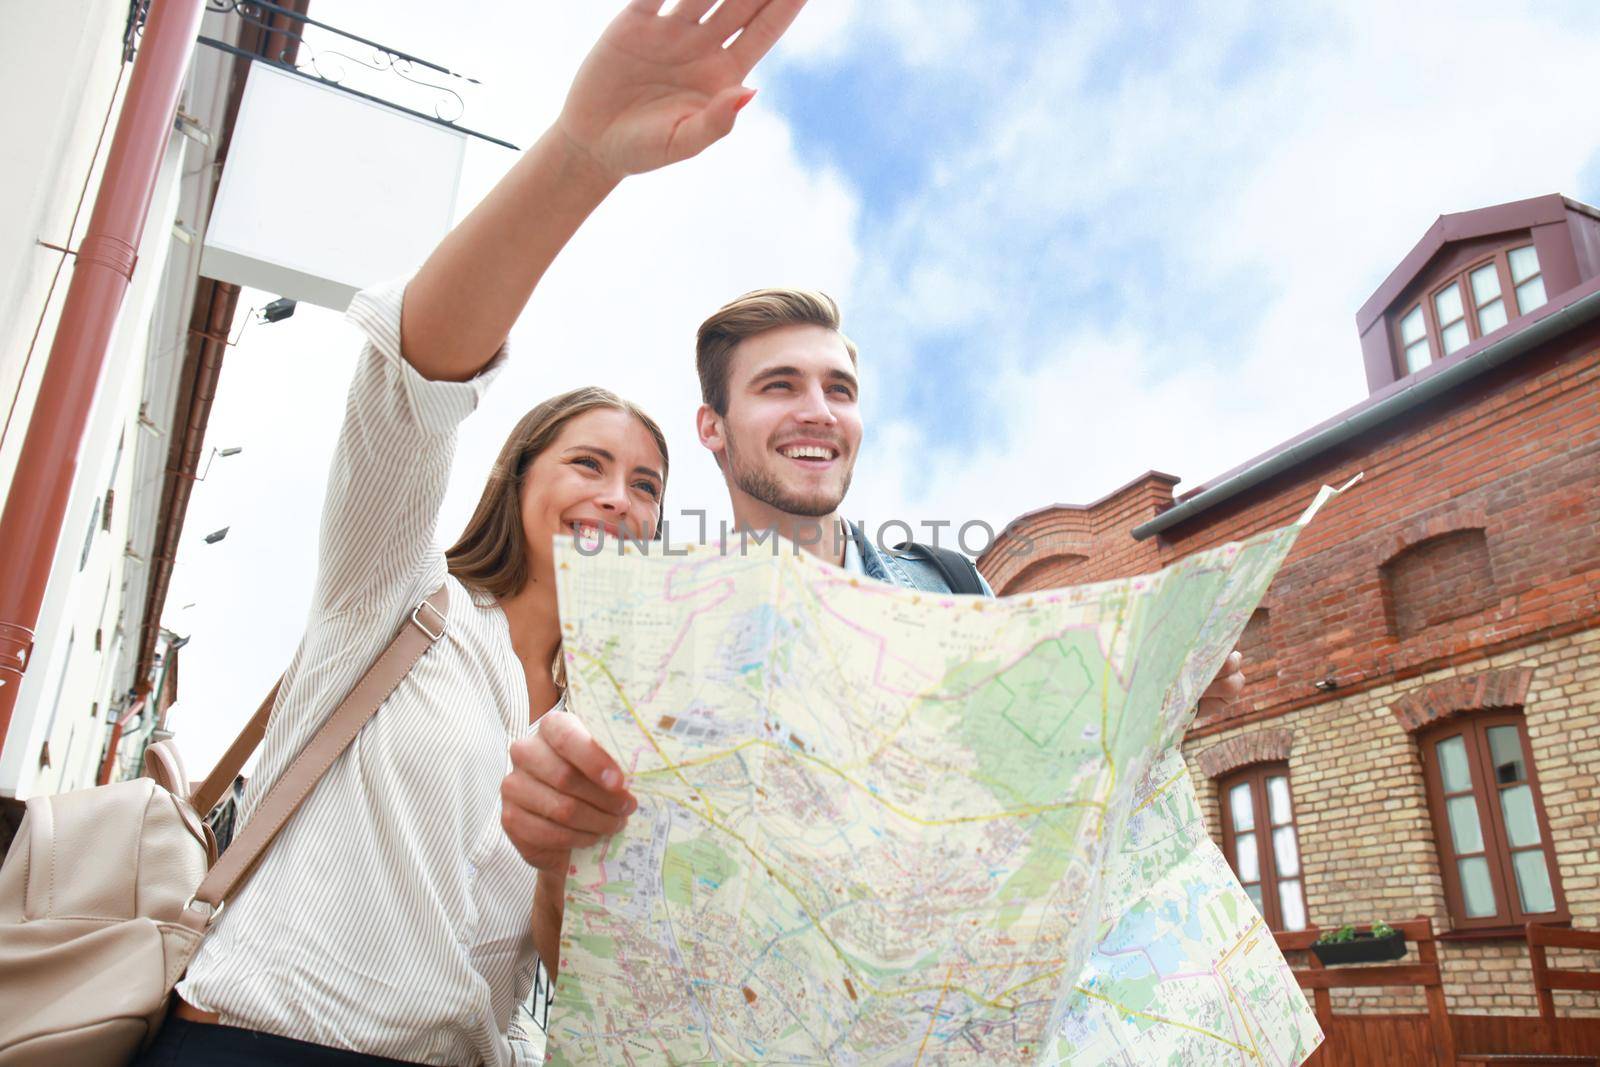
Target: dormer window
1452, 317
1414, 337
1528, 279
1474, 278
1486, 299
1471, 303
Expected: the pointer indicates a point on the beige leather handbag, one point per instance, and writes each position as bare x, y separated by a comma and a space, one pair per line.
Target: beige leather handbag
106, 895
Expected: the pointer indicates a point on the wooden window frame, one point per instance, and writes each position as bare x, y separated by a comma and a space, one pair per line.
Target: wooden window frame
1500, 257
1256, 774
1507, 280
1469, 315
1474, 731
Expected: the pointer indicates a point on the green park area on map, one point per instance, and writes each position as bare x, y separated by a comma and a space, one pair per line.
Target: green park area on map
879, 826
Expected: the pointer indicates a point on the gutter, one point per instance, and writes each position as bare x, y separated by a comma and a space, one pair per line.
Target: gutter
109, 763
1553, 324
211, 318
206, 343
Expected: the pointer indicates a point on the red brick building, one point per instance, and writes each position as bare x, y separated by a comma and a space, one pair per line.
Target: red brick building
1421, 731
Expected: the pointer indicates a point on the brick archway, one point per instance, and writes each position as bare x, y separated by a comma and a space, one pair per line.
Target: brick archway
1434, 703
1269, 745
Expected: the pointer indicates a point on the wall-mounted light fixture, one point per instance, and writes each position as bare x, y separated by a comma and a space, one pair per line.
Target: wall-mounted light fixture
215, 452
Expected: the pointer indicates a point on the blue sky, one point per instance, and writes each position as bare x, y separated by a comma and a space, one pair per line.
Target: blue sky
1046, 172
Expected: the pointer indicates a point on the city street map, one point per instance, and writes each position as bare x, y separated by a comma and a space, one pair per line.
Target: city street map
882, 826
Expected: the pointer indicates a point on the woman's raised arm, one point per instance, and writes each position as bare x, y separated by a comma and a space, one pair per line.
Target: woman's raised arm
657, 88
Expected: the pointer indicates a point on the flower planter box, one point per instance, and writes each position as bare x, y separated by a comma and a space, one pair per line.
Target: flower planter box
1364, 948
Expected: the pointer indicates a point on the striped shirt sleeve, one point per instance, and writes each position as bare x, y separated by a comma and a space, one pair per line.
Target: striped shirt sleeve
378, 549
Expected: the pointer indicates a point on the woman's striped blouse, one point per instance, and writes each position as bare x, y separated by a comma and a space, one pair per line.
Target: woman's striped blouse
391, 915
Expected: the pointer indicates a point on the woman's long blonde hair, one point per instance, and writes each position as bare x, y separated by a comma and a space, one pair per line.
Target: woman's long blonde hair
491, 556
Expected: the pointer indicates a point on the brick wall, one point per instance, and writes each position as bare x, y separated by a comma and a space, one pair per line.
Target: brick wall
1517, 459
1463, 572
1443, 578
1366, 839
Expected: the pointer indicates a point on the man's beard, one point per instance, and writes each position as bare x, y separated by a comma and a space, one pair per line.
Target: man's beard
765, 488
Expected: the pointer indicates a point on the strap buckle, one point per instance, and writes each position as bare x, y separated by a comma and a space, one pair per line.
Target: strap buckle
212, 914
416, 619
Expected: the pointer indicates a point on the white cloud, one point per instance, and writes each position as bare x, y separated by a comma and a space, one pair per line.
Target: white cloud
920, 35
1281, 190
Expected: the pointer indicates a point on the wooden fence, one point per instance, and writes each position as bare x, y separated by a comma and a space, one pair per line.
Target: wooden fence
1438, 1039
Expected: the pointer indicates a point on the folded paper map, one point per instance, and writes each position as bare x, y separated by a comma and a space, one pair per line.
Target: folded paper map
878, 826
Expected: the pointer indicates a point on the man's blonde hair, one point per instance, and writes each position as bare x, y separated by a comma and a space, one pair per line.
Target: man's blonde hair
751, 314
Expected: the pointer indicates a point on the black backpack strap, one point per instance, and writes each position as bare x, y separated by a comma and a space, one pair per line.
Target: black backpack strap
959, 572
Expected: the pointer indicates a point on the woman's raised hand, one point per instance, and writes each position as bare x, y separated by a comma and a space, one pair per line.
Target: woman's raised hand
660, 87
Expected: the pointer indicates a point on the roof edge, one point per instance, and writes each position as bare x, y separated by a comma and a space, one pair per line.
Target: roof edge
1092, 505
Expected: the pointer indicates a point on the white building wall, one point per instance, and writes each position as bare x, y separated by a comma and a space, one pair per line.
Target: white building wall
59, 74
63, 59
68, 686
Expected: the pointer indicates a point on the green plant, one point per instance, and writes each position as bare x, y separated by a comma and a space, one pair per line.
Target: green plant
1335, 937
1347, 932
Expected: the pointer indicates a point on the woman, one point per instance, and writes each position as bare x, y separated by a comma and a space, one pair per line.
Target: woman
390, 920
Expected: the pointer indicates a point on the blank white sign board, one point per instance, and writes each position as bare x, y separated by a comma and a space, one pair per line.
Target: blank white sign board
324, 193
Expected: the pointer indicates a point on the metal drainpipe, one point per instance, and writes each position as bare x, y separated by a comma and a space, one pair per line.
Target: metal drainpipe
37, 503
109, 764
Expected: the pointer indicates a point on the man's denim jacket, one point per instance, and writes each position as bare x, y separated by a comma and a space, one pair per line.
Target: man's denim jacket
908, 572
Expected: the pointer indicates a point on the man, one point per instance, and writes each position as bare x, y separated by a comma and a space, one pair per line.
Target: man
781, 415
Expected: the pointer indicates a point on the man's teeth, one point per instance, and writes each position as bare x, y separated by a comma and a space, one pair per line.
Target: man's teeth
808, 452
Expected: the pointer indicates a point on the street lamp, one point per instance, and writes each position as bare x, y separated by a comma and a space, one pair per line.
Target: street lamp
215, 452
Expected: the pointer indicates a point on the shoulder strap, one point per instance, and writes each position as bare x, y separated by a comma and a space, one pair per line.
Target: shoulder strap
959, 573
208, 792
425, 626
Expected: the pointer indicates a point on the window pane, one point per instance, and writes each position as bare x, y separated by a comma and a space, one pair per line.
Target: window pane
1492, 316
1485, 284
1292, 903
1453, 768
1249, 864
1254, 893
1278, 799
1524, 264
1447, 302
1417, 356
1244, 816
1533, 882
1285, 851
1412, 327
1505, 752
1466, 835
1477, 893
1454, 336
1522, 825
1530, 295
